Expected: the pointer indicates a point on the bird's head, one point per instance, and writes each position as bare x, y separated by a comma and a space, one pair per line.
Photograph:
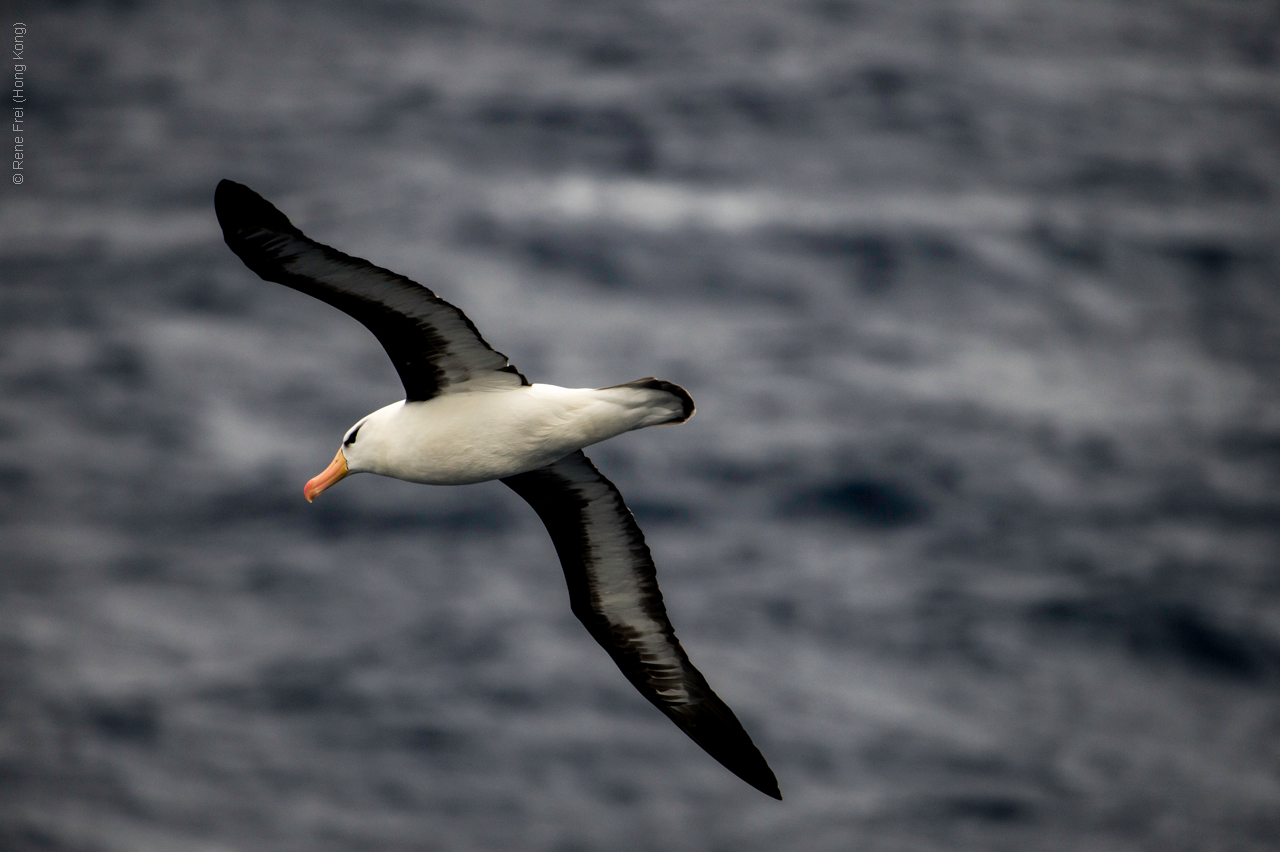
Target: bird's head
349, 460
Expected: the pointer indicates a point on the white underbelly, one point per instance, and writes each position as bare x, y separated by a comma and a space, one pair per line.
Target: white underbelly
456, 439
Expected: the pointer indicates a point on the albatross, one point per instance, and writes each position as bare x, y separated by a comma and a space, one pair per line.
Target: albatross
469, 416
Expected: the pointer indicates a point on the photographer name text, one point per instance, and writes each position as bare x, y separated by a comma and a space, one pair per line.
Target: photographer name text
19, 101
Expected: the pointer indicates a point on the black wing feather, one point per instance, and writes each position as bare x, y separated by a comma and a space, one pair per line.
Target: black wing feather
432, 344
613, 590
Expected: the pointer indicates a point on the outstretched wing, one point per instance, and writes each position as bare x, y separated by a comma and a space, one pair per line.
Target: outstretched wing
614, 592
432, 344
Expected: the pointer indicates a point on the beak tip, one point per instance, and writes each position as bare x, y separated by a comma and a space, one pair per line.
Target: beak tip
336, 470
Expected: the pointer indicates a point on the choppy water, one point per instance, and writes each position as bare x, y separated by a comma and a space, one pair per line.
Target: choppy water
976, 528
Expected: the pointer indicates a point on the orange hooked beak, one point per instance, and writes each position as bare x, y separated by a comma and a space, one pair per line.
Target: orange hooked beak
336, 470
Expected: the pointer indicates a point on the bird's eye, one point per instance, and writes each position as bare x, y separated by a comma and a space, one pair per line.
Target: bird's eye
351, 439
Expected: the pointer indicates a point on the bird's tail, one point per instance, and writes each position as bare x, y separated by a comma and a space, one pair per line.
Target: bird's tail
669, 402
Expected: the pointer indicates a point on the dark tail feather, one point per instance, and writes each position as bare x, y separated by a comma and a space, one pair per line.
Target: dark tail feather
650, 383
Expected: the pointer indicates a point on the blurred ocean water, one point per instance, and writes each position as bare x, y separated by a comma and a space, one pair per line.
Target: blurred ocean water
976, 527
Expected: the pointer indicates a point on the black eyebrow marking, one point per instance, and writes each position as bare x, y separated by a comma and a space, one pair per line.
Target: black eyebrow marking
351, 439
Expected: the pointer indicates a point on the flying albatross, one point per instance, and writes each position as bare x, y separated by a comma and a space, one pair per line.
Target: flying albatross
470, 416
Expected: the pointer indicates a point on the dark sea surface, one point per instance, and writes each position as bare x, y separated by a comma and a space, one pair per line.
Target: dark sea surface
977, 528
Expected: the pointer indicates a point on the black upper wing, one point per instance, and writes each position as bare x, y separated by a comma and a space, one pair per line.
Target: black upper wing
614, 592
432, 344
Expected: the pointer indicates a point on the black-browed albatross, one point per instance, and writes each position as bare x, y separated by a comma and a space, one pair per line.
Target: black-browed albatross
470, 416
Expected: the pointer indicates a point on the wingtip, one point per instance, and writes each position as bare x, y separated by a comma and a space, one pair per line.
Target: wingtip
762, 779
713, 726
751, 767
227, 193
238, 206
